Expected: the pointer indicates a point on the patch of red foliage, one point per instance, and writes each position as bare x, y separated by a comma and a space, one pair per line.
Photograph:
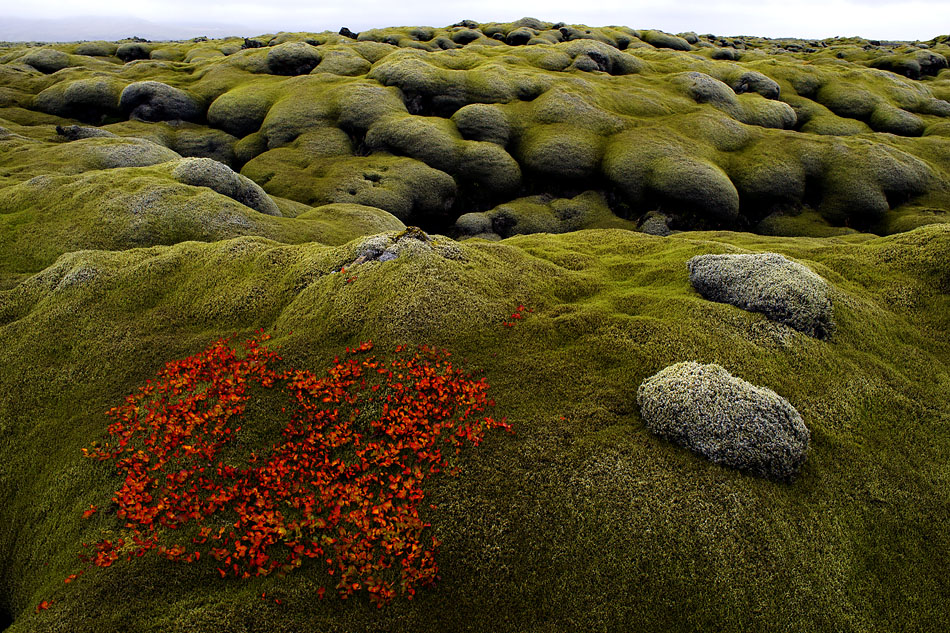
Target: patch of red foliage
516, 316
343, 485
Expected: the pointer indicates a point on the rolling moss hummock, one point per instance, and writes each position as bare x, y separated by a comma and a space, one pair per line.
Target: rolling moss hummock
650, 120
553, 149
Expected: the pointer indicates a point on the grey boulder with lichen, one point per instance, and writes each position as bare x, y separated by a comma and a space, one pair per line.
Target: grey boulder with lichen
411, 242
207, 172
725, 419
781, 289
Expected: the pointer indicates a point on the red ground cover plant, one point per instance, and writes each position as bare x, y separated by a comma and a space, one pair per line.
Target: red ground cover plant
343, 483
516, 316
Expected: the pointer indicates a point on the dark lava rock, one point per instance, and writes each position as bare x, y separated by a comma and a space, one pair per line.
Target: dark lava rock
77, 132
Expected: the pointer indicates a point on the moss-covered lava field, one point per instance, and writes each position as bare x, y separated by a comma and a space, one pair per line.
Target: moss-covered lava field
158, 196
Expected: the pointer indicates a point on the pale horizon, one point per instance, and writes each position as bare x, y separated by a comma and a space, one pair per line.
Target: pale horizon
58, 20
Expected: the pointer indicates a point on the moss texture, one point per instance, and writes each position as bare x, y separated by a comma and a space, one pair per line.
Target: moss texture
566, 103
576, 161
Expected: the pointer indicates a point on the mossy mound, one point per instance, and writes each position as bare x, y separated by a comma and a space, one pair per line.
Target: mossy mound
207, 172
540, 214
155, 101
90, 100
120, 208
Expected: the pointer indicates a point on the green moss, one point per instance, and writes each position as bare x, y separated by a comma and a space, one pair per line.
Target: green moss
108, 271
560, 150
692, 187
242, 110
482, 122
399, 185
33, 159
89, 100
46, 60
896, 121
97, 48
610, 308
432, 140
47, 216
342, 62
541, 214
808, 223
186, 139
131, 51
292, 58
659, 39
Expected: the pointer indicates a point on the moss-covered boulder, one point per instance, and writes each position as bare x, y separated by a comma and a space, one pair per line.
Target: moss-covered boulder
292, 58
96, 48
483, 122
659, 39
131, 51
46, 60
76, 132
89, 100
343, 63
156, 101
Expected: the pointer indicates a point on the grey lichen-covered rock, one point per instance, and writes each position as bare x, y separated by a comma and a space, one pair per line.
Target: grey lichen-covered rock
656, 223
207, 172
411, 242
783, 290
155, 101
77, 132
727, 420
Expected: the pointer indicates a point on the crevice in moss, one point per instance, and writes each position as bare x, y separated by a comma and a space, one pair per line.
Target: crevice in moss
358, 140
428, 105
6, 618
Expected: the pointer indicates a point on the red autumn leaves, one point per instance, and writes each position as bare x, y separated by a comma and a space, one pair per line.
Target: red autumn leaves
516, 316
342, 485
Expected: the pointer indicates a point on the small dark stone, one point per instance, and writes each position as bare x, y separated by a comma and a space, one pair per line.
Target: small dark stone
345, 32
77, 132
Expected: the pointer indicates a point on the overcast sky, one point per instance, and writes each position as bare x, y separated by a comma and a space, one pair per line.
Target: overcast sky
880, 19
